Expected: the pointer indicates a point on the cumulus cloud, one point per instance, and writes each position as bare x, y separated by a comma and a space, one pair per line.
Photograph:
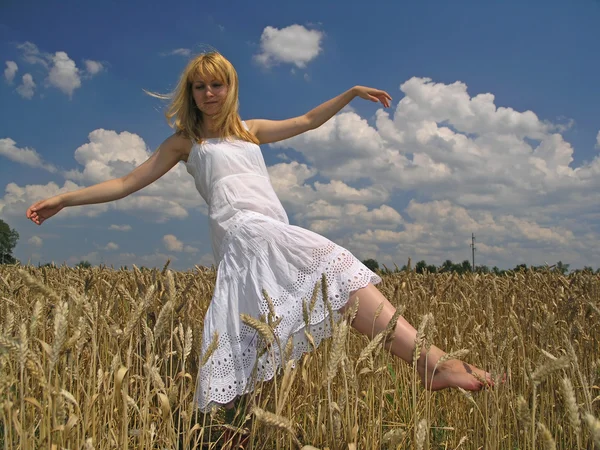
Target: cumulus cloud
17, 199
448, 145
598, 140
27, 87
414, 183
32, 54
120, 227
36, 241
325, 218
207, 260
111, 246
106, 156
504, 174
291, 45
440, 230
109, 154
93, 67
27, 156
333, 207
10, 71
172, 243
64, 74
175, 245
59, 69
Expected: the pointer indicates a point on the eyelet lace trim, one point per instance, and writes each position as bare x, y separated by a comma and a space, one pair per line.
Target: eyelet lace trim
228, 373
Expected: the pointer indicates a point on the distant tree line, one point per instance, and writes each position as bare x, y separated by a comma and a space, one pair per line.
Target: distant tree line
9, 238
466, 267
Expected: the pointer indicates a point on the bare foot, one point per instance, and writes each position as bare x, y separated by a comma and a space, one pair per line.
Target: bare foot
452, 373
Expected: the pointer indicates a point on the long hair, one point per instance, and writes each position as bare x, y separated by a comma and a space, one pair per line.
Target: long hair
183, 114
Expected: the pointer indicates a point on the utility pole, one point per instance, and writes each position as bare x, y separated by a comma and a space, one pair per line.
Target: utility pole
473, 249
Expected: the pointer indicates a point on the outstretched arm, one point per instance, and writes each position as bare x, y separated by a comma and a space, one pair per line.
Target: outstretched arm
268, 131
168, 154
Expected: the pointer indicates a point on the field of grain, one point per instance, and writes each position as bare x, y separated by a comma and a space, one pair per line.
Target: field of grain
101, 358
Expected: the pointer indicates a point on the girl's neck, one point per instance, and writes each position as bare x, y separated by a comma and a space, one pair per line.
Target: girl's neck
209, 129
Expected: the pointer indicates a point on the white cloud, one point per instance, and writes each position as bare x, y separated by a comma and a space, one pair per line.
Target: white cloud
17, 199
32, 54
476, 167
161, 208
111, 246
27, 87
172, 243
120, 227
441, 230
62, 71
110, 155
175, 245
325, 218
598, 140
186, 52
36, 241
206, 260
106, 156
64, 74
288, 180
450, 146
27, 156
10, 71
292, 45
415, 183
93, 67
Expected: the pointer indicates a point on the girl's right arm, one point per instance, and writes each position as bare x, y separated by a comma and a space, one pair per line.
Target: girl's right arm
170, 152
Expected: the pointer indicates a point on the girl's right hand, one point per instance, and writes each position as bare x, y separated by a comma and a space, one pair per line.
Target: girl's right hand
44, 209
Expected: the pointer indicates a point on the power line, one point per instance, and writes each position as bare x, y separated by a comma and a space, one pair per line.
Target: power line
473, 249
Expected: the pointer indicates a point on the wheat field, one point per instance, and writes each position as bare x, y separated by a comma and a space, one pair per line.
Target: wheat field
101, 358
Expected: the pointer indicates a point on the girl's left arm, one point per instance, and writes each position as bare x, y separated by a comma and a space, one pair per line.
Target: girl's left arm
267, 131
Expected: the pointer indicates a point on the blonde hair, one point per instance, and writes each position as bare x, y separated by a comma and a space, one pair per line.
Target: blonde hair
184, 116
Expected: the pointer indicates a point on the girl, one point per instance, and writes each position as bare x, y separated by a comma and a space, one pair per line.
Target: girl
254, 245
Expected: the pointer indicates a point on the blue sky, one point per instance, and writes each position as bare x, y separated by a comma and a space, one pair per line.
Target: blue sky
494, 126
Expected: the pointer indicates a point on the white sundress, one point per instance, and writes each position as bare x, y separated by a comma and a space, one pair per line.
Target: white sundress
256, 248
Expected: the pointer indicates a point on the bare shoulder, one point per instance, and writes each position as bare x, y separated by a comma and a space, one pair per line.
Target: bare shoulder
251, 124
179, 145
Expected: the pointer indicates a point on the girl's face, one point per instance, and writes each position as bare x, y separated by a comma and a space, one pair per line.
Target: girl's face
209, 94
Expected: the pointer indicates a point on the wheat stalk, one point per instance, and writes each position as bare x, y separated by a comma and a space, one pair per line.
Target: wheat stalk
337, 350
60, 332
550, 367
594, 427
393, 437
547, 438
214, 343
263, 329
276, 421
421, 433
570, 400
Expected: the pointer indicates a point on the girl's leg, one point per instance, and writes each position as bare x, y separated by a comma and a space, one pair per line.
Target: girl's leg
451, 373
235, 412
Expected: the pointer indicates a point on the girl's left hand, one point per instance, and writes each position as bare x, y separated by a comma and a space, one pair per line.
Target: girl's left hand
375, 95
